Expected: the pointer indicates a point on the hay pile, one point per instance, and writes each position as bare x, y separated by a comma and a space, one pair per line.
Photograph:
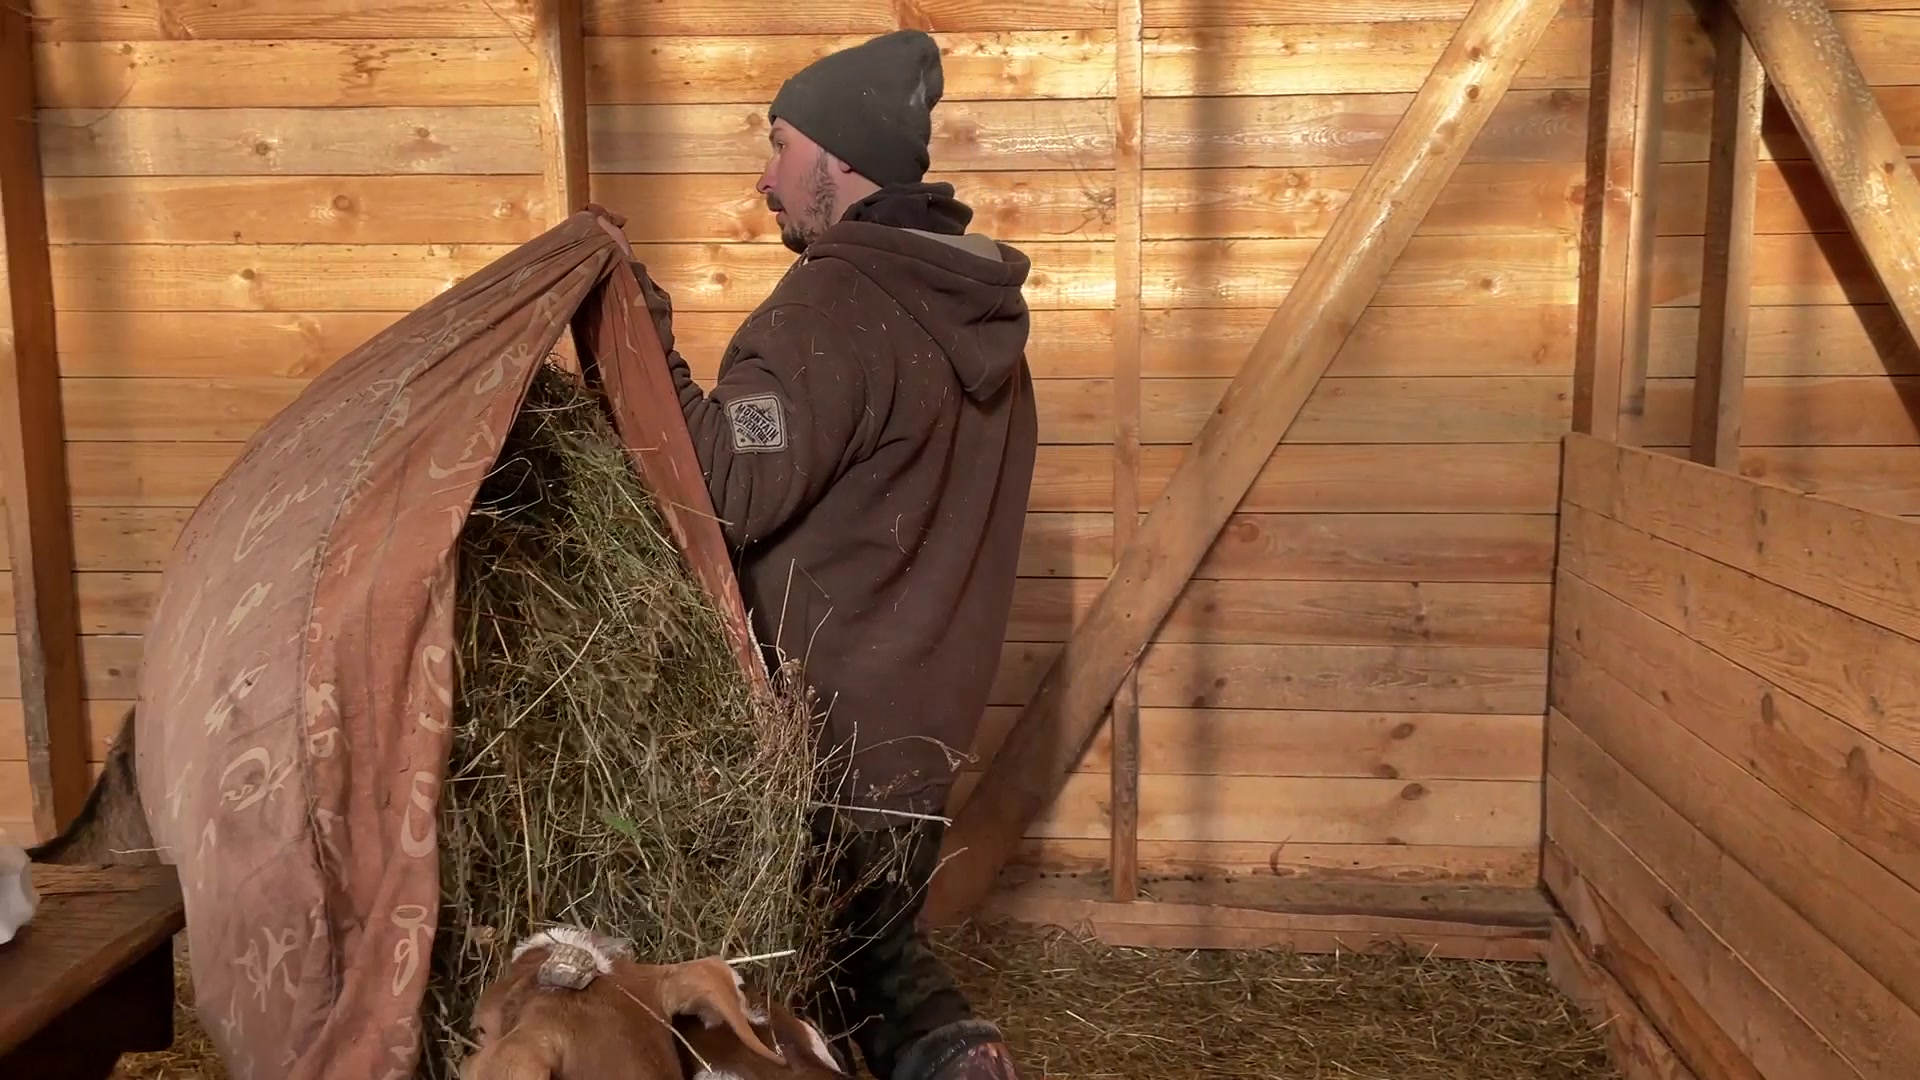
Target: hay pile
1073, 1007
610, 765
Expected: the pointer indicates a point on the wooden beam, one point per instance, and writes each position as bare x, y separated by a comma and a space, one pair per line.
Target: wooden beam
560, 44
1616, 228
1319, 312
1124, 766
1720, 365
1810, 66
33, 458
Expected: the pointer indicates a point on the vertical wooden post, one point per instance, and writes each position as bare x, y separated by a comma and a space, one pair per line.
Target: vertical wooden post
1720, 366
1616, 243
1124, 767
1804, 56
560, 44
33, 458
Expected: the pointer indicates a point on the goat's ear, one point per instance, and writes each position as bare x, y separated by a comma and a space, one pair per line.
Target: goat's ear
711, 990
816, 1045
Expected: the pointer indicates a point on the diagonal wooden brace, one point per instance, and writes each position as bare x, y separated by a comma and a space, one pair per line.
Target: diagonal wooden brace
1337, 284
1804, 56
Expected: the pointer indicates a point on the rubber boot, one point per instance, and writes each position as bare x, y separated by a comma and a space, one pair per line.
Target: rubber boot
905, 1009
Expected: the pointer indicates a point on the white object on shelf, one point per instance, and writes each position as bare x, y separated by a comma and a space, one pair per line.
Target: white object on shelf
17, 897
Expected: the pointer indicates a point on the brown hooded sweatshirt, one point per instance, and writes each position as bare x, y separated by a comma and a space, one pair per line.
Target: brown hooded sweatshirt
869, 444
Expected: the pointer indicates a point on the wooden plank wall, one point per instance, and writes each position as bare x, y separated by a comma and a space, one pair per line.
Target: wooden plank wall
1732, 775
1355, 686
237, 195
1831, 398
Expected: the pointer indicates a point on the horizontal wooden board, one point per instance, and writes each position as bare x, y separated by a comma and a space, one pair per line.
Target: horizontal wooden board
1308, 612
1016, 136
729, 67
1311, 810
1881, 478
1514, 478
1017, 207
1380, 547
114, 20
422, 209
1345, 129
391, 277
150, 20
139, 539
1527, 126
404, 209
252, 344
1271, 742
1860, 563
1377, 411
1002, 135
1788, 268
1267, 12
179, 474
102, 720
211, 345
1396, 55
120, 538
109, 666
1665, 914
632, 17
1440, 270
1535, 268
1433, 547
272, 73
1859, 672
169, 409
1399, 342
1867, 795
1788, 197
1813, 411
1387, 342
1164, 860
106, 602
1265, 201
1303, 58
362, 141
1367, 678
1804, 339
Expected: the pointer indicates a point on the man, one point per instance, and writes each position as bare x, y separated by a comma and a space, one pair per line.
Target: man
869, 446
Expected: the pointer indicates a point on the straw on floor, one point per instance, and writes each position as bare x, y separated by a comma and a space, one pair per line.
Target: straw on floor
1073, 1007
611, 765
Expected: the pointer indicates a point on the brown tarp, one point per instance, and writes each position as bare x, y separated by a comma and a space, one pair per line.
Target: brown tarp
298, 673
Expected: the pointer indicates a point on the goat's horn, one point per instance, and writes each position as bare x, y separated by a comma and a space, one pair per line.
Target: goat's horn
568, 967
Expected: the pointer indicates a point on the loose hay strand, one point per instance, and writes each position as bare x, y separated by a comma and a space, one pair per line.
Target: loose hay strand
611, 765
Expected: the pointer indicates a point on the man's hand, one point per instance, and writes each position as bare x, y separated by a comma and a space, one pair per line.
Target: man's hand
659, 305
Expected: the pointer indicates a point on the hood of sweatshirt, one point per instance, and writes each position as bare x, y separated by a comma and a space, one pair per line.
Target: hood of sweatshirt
964, 289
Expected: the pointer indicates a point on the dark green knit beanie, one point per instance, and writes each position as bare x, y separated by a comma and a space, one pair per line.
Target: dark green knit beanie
869, 105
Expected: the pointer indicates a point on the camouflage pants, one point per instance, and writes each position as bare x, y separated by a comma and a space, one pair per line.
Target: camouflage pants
890, 988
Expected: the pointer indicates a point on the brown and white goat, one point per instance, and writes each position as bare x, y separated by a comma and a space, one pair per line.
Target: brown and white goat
574, 1005
715, 1053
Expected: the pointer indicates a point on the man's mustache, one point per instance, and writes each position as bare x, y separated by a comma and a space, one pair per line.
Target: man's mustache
773, 204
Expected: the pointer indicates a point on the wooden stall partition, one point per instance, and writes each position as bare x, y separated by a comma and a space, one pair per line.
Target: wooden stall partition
1733, 765
236, 196
1823, 392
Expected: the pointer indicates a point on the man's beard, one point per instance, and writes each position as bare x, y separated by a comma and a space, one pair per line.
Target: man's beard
802, 229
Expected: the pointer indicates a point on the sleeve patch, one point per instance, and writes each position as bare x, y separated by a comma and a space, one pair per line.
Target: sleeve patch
759, 424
